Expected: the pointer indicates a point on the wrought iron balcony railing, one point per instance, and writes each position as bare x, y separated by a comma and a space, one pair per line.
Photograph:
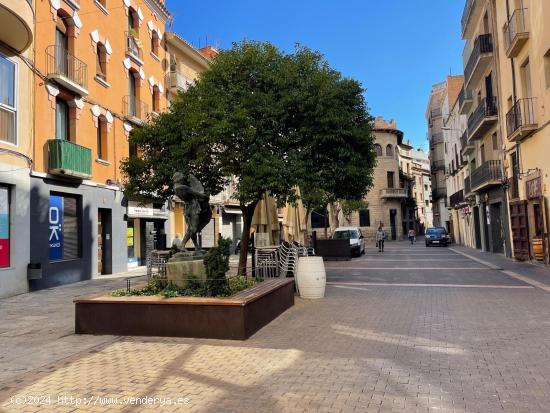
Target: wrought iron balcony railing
516, 32
467, 186
465, 100
521, 118
133, 46
483, 117
457, 198
488, 174
65, 68
394, 193
483, 46
134, 108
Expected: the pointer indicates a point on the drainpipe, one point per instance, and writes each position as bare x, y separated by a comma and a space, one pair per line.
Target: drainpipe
505, 213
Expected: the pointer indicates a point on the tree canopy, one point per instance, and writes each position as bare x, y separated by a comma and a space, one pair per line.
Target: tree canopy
275, 121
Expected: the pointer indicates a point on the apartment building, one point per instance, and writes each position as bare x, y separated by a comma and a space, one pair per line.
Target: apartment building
438, 106
486, 180
522, 51
422, 190
390, 200
103, 72
16, 129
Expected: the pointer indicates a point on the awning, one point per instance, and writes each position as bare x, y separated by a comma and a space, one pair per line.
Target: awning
232, 210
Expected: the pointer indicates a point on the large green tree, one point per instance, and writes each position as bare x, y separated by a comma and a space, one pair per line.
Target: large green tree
274, 121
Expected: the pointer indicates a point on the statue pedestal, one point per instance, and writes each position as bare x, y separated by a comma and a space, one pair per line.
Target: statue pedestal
178, 272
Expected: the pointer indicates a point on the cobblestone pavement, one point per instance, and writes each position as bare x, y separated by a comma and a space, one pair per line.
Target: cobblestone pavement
410, 330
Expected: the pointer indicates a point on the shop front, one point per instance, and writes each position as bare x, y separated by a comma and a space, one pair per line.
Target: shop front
537, 218
146, 230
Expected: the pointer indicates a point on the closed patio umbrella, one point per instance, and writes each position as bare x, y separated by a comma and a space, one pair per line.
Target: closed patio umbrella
294, 222
265, 221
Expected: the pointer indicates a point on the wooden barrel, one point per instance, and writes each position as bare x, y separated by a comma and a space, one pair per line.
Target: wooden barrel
538, 250
311, 277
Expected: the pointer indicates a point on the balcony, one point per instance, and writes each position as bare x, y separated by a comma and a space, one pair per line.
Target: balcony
437, 138
69, 159
134, 109
479, 60
465, 101
178, 82
394, 193
17, 20
521, 119
457, 199
134, 48
487, 175
484, 117
67, 70
466, 146
435, 113
438, 166
472, 12
516, 32
438, 193
467, 187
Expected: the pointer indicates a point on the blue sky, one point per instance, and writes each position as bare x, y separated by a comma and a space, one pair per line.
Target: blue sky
396, 48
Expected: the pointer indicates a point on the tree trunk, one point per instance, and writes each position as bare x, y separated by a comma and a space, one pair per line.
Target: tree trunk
248, 214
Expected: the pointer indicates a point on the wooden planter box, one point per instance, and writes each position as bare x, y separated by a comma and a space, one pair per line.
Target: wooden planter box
234, 318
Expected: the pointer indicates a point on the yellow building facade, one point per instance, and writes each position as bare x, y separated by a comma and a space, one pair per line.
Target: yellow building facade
16, 143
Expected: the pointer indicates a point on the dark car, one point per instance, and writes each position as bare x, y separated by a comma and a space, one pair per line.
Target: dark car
437, 236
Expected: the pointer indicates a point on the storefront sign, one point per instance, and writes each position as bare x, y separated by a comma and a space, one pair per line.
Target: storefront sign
134, 209
55, 216
533, 188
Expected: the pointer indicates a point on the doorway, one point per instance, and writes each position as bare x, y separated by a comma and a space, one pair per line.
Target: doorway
477, 227
104, 242
393, 214
496, 228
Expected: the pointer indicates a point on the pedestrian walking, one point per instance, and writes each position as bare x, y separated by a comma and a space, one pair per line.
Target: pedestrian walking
412, 236
380, 237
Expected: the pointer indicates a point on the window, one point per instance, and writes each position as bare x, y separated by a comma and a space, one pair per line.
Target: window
389, 151
427, 203
318, 218
364, 218
378, 149
495, 141
101, 62
391, 180
525, 72
64, 234
156, 99
155, 43
547, 68
61, 120
4, 227
7, 101
102, 139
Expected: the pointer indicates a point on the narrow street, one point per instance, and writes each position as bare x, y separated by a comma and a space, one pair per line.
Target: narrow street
414, 329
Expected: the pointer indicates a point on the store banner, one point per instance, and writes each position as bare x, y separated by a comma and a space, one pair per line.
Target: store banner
56, 225
4, 228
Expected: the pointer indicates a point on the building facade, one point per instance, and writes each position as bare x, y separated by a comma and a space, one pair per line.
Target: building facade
16, 131
422, 191
390, 201
522, 51
102, 66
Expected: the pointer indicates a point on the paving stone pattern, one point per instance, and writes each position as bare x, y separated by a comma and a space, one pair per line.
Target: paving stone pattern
364, 348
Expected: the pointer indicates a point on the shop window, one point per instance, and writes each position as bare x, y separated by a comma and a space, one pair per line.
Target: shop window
101, 62
318, 218
64, 227
7, 101
378, 150
4, 226
102, 139
62, 125
364, 218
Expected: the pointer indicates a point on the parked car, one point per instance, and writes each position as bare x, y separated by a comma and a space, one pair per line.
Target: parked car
437, 236
356, 239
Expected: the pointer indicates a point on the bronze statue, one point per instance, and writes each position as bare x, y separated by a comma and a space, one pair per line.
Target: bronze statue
197, 207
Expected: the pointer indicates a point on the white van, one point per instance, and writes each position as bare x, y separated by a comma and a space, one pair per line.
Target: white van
356, 239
